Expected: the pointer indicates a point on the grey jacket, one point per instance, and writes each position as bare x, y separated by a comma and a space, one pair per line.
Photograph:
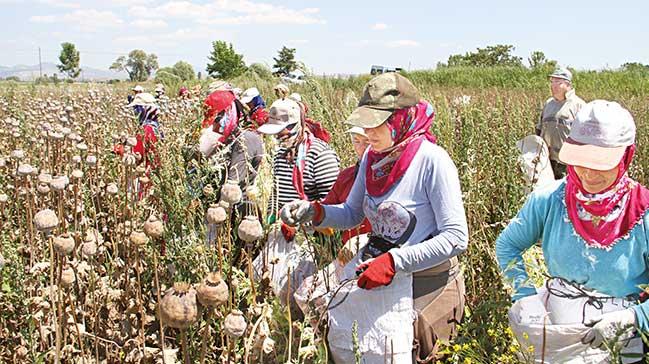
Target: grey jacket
555, 121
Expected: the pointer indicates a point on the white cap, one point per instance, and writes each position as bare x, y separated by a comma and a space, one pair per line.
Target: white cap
138, 88
249, 94
281, 114
599, 136
356, 130
143, 99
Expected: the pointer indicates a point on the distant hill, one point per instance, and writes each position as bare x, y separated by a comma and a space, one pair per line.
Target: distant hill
30, 73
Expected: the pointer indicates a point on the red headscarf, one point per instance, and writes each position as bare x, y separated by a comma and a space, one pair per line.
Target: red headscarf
216, 102
409, 127
603, 218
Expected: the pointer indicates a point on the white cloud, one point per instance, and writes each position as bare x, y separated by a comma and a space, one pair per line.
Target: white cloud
60, 4
84, 19
379, 26
149, 23
169, 39
228, 12
403, 43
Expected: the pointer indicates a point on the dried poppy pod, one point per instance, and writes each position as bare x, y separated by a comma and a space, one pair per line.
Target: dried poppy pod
67, 277
231, 192
24, 170
82, 147
178, 307
91, 160
44, 178
216, 214
77, 174
208, 190
63, 244
89, 249
45, 221
3, 198
112, 188
213, 291
235, 324
250, 229
138, 238
43, 189
252, 193
17, 154
3, 162
55, 136
153, 227
59, 183
76, 159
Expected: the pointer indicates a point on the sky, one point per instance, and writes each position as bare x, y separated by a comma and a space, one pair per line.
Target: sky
331, 37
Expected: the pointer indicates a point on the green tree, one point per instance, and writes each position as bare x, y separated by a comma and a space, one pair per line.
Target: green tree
635, 67
224, 62
138, 65
69, 59
184, 70
491, 56
538, 61
285, 61
260, 70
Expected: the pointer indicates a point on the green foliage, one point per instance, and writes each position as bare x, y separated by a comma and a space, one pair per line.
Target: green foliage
184, 70
13, 78
260, 70
69, 59
47, 79
498, 55
635, 67
285, 61
225, 63
138, 65
167, 77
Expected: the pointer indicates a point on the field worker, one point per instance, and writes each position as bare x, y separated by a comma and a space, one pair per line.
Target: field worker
557, 116
257, 107
134, 91
304, 166
409, 287
244, 148
147, 111
593, 228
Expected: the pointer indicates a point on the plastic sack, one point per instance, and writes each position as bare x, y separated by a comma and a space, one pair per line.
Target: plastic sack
208, 141
535, 161
315, 292
277, 257
384, 315
530, 322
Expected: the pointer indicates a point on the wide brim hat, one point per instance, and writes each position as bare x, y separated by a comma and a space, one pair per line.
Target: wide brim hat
143, 99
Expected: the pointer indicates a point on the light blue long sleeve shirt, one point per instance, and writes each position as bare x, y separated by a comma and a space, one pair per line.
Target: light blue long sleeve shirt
423, 211
617, 272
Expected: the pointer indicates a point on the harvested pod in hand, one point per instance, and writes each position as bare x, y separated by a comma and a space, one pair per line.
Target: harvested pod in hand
213, 291
235, 324
178, 307
153, 227
45, 221
67, 277
63, 244
138, 238
231, 192
216, 214
250, 229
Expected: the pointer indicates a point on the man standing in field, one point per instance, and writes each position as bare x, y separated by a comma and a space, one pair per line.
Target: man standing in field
557, 116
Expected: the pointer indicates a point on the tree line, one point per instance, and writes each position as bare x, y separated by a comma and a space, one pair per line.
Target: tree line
224, 62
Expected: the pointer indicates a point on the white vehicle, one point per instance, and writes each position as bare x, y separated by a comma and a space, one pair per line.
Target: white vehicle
297, 77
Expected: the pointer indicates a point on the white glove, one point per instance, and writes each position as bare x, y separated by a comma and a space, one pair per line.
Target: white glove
297, 212
618, 325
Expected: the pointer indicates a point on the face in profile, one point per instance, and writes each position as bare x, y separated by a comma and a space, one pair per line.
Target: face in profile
359, 143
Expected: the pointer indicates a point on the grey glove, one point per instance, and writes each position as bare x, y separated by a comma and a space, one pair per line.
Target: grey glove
618, 325
297, 212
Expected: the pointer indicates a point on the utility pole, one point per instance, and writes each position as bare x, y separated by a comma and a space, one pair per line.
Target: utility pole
40, 63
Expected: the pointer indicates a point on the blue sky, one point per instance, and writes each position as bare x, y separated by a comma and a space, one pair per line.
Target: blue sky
330, 36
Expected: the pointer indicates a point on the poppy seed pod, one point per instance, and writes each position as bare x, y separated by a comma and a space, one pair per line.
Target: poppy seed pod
153, 227
231, 193
216, 214
235, 324
44, 178
77, 174
250, 229
3, 162
59, 183
178, 307
67, 277
45, 221
63, 244
138, 238
91, 160
213, 291
17, 154
43, 189
112, 188
76, 159
89, 249
24, 170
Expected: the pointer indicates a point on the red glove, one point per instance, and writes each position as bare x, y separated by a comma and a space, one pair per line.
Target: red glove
288, 232
376, 273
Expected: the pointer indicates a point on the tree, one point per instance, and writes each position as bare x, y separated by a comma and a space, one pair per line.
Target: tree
285, 61
491, 56
184, 70
225, 63
69, 59
138, 65
635, 67
538, 61
260, 70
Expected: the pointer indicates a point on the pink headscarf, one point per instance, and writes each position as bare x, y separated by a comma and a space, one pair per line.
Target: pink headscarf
409, 127
603, 218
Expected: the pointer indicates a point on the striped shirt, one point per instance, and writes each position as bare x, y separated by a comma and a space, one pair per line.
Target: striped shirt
320, 172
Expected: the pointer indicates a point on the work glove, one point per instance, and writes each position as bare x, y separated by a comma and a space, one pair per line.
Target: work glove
300, 212
376, 272
618, 325
288, 232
